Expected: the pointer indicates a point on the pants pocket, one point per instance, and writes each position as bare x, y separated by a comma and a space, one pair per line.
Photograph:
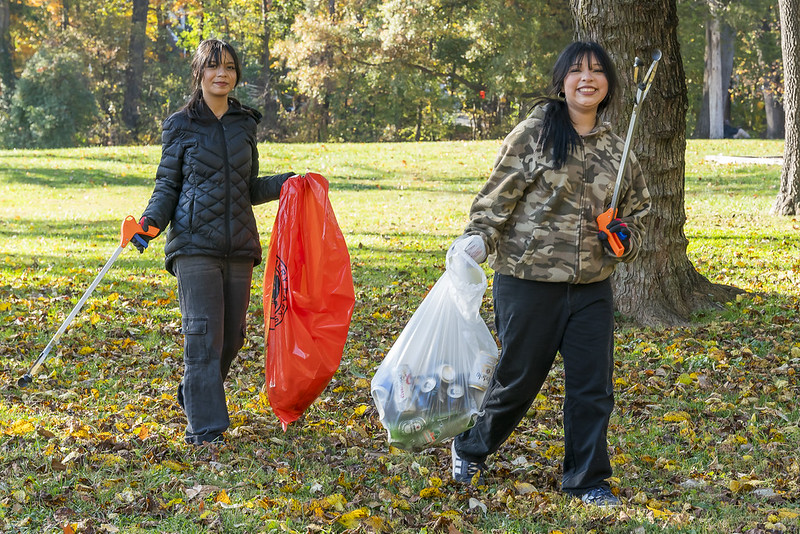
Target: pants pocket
195, 340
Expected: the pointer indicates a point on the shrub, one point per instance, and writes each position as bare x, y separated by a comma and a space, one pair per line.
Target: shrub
52, 105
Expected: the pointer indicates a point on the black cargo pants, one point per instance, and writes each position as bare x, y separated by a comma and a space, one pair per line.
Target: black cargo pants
214, 295
536, 320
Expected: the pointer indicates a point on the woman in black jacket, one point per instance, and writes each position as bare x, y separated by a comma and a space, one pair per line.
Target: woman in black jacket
206, 185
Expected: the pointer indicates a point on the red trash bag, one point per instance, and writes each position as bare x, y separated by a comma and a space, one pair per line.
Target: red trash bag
308, 297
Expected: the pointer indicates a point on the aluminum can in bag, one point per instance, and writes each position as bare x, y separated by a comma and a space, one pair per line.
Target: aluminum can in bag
455, 398
424, 438
482, 370
412, 426
447, 374
427, 398
403, 389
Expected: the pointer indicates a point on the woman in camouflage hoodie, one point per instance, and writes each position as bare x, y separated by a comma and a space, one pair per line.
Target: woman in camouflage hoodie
535, 221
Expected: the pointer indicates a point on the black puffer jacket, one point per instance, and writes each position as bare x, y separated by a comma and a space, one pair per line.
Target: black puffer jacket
207, 184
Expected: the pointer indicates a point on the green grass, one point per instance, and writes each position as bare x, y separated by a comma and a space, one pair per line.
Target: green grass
705, 414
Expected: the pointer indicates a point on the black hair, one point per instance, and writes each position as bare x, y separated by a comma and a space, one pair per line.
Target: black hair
209, 52
557, 128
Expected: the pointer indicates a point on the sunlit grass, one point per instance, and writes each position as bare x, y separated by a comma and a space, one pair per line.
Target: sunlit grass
705, 414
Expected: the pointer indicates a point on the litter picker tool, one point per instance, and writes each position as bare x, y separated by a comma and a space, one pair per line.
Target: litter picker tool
130, 229
642, 88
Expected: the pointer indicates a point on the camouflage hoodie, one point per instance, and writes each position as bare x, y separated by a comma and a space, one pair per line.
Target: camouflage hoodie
539, 223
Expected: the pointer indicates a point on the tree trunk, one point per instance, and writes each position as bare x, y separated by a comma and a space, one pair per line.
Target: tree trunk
7, 77
774, 112
661, 287
64, 15
270, 123
716, 104
135, 70
788, 201
726, 44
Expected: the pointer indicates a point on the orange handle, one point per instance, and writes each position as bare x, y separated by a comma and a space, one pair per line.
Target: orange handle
613, 239
130, 228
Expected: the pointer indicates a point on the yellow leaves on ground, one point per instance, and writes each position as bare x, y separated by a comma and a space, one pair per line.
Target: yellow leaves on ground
335, 501
676, 417
744, 485
222, 497
362, 383
174, 466
19, 428
353, 519
783, 515
429, 493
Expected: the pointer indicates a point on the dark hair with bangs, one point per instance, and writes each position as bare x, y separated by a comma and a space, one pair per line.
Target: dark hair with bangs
557, 128
209, 52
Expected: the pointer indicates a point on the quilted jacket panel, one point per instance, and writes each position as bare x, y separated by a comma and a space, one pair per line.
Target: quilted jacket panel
207, 183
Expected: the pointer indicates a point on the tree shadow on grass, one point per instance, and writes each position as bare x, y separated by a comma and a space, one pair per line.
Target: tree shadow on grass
64, 178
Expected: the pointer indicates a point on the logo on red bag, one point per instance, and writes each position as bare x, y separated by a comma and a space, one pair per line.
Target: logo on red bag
280, 294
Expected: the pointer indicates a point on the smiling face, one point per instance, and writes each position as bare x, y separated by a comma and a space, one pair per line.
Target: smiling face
219, 77
585, 85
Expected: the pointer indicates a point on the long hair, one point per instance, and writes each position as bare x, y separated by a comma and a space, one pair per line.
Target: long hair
557, 128
209, 52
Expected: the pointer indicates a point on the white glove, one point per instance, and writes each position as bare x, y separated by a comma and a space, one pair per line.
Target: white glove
473, 245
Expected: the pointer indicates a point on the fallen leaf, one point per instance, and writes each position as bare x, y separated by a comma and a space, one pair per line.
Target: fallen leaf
475, 503
676, 417
524, 488
353, 519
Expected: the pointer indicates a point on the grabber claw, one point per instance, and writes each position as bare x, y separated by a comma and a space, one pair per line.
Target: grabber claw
131, 229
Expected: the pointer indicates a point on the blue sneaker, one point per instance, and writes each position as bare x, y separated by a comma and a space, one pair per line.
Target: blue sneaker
601, 497
465, 471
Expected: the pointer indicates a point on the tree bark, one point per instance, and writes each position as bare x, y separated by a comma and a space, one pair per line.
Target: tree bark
7, 77
661, 287
716, 105
788, 200
726, 37
774, 112
64, 15
135, 70
270, 123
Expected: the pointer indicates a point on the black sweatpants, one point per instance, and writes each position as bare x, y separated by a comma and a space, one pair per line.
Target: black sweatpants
535, 321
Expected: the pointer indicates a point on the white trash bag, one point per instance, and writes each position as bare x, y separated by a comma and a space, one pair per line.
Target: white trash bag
431, 384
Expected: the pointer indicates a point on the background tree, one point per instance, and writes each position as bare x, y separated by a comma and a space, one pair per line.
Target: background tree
716, 82
7, 77
362, 70
270, 100
758, 68
661, 287
719, 48
750, 85
788, 201
135, 69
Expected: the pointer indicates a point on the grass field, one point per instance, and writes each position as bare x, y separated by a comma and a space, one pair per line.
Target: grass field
704, 438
